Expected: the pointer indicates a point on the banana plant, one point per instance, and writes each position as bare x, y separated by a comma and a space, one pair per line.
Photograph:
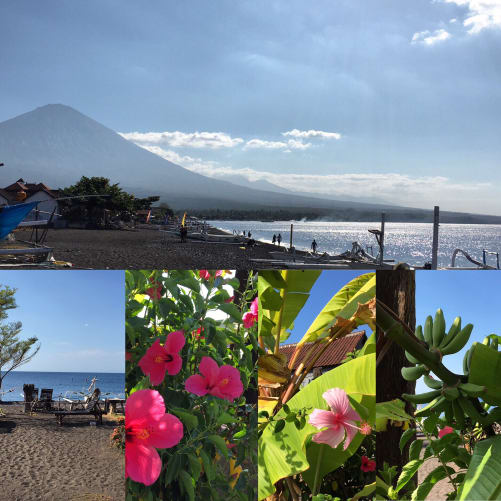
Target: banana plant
465, 400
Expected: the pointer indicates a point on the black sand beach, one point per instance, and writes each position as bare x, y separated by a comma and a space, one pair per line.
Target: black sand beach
148, 249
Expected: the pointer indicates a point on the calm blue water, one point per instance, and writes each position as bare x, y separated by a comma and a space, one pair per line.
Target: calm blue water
407, 242
63, 383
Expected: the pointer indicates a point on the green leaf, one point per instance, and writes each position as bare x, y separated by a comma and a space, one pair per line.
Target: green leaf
415, 449
280, 425
189, 419
195, 466
430, 424
275, 450
408, 471
406, 436
219, 443
483, 481
173, 467
232, 310
186, 482
427, 484
225, 418
208, 467
343, 304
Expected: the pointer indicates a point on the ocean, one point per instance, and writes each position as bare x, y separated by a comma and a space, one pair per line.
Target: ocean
404, 242
70, 384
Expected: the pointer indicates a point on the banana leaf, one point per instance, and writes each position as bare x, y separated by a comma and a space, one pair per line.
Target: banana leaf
289, 452
485, 370
482, 481
343, 304
282, 295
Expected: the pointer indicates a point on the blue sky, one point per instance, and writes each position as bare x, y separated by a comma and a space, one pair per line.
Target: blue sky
329, 282
78, 316
474, 296
389, 100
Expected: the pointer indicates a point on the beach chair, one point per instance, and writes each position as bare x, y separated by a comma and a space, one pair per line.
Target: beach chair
44, 403
90, 408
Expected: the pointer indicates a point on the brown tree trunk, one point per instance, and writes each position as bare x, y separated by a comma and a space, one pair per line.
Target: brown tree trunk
397, 290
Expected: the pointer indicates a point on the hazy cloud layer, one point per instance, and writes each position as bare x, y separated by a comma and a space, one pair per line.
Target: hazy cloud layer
414, 191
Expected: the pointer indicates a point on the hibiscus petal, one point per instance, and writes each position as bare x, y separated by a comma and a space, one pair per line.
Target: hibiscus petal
144, 404
254, 307
196, 384
157, 373
143, 464
174, 366
321, 419
167, 432
330, 437
350, 433
248, 320
337, 400
209, 369
174, 342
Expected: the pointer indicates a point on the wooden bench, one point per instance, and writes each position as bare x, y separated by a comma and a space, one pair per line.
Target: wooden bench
96, 412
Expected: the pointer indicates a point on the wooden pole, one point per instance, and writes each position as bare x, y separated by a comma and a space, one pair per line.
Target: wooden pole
434, 248
381, 241
292, 230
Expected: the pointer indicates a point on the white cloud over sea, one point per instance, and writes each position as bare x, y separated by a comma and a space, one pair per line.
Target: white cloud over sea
403, 189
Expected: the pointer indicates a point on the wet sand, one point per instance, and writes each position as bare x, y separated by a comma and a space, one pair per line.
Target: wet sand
147, 249
44, 461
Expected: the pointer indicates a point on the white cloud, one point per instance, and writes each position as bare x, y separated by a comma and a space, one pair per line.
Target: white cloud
291, 144
176, 139
306, 134
482, 14
397, 188
428, 38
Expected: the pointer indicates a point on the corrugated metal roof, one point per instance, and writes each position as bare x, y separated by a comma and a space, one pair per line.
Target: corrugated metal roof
333, 355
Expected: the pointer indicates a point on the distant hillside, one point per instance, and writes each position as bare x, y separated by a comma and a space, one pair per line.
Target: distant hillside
56, 144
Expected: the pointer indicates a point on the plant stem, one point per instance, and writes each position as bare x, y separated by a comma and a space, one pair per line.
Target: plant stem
317, 472
279, 324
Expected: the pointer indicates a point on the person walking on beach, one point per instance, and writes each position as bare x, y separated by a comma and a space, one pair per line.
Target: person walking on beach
314, 246
279, 239
249, 234
274, 239
183, 232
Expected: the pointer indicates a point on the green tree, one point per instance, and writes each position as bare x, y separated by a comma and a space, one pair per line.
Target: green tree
13, 352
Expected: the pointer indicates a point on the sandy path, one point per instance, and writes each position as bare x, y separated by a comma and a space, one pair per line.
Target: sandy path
43, 461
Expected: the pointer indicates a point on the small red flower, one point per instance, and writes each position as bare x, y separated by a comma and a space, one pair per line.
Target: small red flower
198, 334
445, 431
367, 464
128, 356
160, 359
205, 274
155, 292
230, 299
250, 317
222, 382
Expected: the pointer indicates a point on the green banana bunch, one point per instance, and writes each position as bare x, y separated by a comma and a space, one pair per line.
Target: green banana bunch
413, 373
422, 398
458, 341
434, 384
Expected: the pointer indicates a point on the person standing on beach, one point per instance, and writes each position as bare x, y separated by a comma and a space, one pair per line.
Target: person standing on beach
314, 246
249, 234
279, 239
274, 239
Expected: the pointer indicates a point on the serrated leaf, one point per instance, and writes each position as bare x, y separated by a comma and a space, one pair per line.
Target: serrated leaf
189, 419
219, 443
406, 436
415, 449
195, 466
187, 483
408, 471
208, 467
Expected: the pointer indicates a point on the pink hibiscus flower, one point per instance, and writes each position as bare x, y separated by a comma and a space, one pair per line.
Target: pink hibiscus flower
367, 464
222, 382
339, 421
161, 359
445, 431
148, 426
250, 317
